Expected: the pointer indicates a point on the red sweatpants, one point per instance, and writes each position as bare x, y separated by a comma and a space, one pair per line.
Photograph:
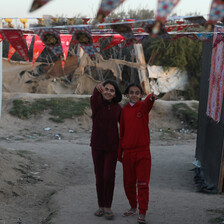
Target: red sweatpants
136, 171
104, 167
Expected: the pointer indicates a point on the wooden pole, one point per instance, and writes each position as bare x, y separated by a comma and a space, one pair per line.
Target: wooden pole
142, 71
221, 172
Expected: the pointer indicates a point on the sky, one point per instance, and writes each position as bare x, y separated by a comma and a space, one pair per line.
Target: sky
88, 8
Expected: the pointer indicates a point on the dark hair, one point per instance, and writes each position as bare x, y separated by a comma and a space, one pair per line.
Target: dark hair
135, 85
118, 95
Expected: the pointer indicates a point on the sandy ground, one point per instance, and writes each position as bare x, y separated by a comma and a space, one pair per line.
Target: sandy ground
55, 183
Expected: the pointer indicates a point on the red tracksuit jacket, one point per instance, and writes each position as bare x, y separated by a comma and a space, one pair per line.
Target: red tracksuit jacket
134, 129
105, 117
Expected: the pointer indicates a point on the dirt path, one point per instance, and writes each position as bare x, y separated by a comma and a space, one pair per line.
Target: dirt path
67, 195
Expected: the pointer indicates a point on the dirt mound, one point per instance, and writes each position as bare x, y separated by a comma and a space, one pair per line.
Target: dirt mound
13, 168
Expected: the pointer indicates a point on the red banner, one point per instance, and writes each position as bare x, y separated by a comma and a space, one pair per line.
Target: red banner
15, 38
1, 38
11, 52
38, 47
117, 39
65, 42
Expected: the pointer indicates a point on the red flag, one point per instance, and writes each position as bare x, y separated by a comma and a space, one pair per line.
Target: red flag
11, 52
85, 21
1, 38
65, 42
38, 47
117, 39
15, 38
29, 39
130, 20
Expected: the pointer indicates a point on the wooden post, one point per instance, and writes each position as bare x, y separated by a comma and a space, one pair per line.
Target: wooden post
221, 172
80, 53
0, 73
142, 71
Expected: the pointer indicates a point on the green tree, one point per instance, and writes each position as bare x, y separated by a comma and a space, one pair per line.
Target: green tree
183, 53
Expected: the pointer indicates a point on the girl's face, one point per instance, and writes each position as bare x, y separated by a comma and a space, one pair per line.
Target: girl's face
134, 94
109, 92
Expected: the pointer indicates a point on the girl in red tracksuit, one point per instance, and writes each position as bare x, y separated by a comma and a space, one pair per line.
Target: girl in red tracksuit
104, 142
134, 149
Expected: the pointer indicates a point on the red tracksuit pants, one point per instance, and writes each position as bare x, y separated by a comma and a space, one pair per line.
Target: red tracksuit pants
104, 167
136, 171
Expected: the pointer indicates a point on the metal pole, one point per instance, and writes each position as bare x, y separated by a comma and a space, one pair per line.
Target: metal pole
0, 73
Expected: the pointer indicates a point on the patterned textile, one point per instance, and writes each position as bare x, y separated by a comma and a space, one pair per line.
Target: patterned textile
83, 35
216, 85
216, 11
11, 51
37, 4
29, 39
164, 8
38, 47
205, 36
106, 7
125, 30
16, 39
51, 38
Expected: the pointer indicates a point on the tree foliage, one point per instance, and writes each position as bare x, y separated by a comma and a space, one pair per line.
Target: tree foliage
183, 53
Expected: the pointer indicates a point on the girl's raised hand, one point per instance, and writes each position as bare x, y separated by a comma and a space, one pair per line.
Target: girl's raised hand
153, 97
100, 87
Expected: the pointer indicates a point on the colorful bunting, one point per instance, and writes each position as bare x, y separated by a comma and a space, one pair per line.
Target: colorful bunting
24, 22
83, 35
38, 47
164, 8
85, 21
51, 38
29, 39
106, 7
40, 21
11, 52
1, 38
125, 30
216, 11
218, 39
216, 84
154, 28
15, 38
70, 21
205, 36
65, 42
190, 36
96, 43
138, 40
117, 39
37, 4
9, 21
